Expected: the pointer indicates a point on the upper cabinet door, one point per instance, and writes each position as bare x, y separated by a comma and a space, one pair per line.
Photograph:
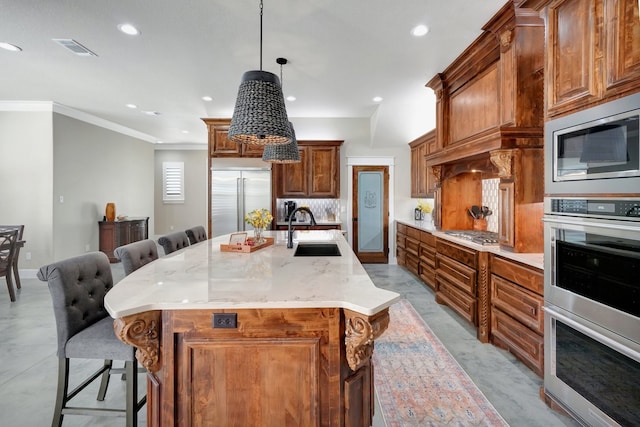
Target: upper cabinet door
623, 46
294, 176
572, 64
323, 169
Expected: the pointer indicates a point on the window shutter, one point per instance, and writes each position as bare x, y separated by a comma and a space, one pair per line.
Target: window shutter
173, 182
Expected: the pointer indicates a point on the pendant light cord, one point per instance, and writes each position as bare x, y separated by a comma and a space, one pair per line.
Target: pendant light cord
261, 9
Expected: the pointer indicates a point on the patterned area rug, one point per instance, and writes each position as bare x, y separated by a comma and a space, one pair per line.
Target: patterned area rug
419, 383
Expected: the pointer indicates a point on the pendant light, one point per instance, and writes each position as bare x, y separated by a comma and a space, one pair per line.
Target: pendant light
282, 153
260, 116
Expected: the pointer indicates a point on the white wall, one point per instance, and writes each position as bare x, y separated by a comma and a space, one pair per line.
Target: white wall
180, 216
91, 167
26, 174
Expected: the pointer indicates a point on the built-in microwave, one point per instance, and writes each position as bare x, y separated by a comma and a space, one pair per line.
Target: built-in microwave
596, 150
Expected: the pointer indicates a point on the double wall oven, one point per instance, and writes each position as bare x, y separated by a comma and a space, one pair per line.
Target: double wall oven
592, 263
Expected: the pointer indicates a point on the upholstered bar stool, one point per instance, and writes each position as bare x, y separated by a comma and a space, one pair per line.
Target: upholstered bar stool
136, 254
78, 286
173, 241
196, 234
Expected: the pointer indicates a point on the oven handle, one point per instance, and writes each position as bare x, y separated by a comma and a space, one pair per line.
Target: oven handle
552, 244
594, 334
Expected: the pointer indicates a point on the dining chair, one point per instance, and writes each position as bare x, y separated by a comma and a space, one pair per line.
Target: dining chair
8, 239
84, 329
196, 234
173, 241
136, 254
19, 244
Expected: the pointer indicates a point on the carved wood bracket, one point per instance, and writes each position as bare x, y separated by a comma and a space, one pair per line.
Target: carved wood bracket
142, 331
360, 333
503, 160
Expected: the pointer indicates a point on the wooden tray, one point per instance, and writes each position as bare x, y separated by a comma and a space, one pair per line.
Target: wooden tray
246, 248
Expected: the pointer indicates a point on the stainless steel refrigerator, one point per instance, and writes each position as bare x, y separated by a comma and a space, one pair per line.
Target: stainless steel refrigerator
235, 192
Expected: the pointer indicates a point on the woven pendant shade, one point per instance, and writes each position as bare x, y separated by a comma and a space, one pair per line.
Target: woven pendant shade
283, 153
260, 116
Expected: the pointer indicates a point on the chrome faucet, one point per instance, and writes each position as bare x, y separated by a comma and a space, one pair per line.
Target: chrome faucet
291, 229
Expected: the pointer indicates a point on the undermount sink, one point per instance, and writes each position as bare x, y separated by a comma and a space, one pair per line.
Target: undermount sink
317, 249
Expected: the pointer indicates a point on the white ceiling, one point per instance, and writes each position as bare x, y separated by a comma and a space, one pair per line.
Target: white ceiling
341, 54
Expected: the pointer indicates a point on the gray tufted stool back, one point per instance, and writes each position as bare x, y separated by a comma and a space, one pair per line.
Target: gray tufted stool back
78, 286
136, 254
173, 241
196, 234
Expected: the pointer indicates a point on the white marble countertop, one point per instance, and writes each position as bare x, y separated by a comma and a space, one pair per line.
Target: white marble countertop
202, 277
533, 259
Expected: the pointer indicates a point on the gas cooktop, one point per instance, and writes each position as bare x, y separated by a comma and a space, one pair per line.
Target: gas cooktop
485, 238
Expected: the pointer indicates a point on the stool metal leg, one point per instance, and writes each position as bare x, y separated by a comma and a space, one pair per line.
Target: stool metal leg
104, 382
61, 395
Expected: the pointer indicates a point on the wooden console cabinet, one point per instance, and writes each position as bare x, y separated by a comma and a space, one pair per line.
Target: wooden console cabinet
117, 233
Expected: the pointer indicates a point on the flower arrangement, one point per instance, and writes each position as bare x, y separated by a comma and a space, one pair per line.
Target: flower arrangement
259, 218
424, 207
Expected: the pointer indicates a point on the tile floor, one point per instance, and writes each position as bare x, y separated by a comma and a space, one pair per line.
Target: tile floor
28, 363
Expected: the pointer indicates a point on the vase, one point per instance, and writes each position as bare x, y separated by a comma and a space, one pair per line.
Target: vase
110, 212
258, 238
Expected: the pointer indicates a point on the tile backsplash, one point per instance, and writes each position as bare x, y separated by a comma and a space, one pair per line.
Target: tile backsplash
323, 209
490, 198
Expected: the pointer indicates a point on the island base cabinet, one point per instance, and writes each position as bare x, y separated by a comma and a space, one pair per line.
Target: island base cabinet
292, 367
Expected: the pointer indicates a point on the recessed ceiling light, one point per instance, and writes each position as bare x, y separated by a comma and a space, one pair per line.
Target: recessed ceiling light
377, 99
185, 131
291, 98
9, 46
128, 29
132, 106
151, 113
420, 30
207, 98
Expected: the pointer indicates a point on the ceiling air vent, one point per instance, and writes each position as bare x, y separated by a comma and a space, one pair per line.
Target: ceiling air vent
74, 47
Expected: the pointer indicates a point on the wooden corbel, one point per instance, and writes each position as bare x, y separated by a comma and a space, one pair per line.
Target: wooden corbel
360, 333
142, 331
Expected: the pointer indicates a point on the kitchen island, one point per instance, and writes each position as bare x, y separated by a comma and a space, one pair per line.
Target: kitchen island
260, 339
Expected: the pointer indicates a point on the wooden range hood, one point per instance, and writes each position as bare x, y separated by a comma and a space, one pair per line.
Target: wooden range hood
491, 97
490, 119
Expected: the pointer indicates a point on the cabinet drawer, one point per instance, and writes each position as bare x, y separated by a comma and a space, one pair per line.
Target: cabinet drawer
401, 228
413, 233
525, 344
460, 253
526, 276
519, 303
401, 241
428, 275
458, 274
412, 263
412, 246
428, 238
401, 256
457, 300
428, 256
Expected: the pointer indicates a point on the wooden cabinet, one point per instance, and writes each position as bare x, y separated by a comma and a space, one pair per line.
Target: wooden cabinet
456, 279
517, 321
428, 259
299, 367
401, 244
221, 146
593, 52
113, 234
506, 220
316, 176
422, 181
